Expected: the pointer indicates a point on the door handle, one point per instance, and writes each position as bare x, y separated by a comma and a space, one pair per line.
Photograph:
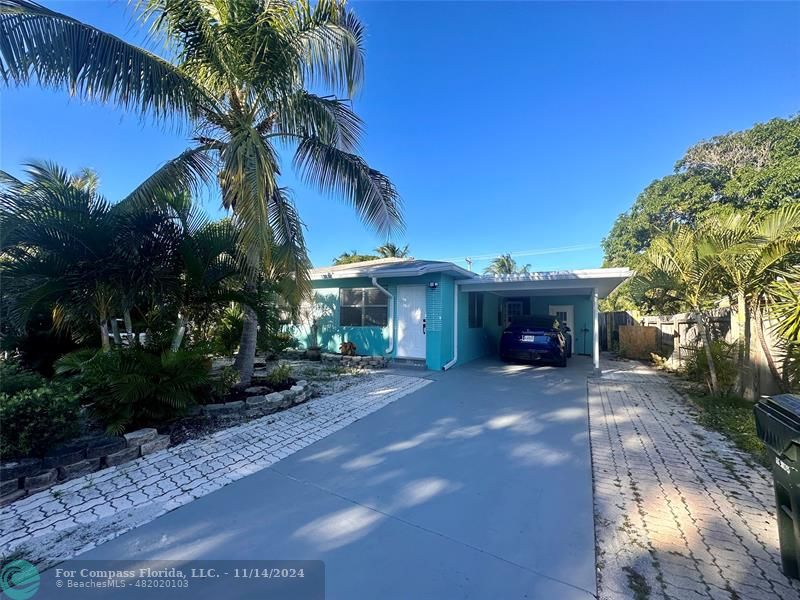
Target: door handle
424, 326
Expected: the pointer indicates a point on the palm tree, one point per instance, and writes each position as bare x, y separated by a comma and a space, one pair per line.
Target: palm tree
57, 248
751, 252
346, 258
679, 271
391, 250
241, 75
505, 265
68, 251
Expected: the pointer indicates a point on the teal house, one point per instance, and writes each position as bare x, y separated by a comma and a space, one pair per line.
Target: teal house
439, 315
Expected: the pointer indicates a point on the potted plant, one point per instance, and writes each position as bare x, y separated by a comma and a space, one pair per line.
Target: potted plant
347, 349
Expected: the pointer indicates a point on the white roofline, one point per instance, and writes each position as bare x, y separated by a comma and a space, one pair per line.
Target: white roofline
384, 270
582, 281
538, 276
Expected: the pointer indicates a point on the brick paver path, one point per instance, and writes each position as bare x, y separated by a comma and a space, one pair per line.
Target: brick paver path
679, 512
64, 520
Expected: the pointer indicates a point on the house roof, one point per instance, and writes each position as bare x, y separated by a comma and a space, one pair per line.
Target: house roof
578, 282
389, 267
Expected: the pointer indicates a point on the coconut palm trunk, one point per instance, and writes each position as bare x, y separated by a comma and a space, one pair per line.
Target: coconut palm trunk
766, 350
744, 372
247, 346
241, 76
702, 327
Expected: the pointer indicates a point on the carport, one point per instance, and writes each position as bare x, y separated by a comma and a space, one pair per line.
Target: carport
484, 305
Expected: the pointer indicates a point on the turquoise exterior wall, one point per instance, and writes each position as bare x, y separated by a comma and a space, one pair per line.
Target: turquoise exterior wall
473, 343
375, 340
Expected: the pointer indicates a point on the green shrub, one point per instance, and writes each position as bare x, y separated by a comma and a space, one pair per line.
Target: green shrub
224, 381
724, 356
279, 375
275, 342
226, 331
36, 420
131, 388
13, 378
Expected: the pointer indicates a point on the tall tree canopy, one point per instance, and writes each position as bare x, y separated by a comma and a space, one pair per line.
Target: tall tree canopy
253, 77
756, 170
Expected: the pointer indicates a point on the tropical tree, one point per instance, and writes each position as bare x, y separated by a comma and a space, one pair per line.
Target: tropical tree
66, 250
346, 258
754, 170
751, 252
391, 250
241, 75
58, 249
505, 265
679, 272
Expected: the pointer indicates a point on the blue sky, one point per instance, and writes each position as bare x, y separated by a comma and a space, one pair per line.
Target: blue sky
506, 126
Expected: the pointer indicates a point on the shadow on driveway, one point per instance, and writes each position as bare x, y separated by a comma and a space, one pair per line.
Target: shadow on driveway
477, 486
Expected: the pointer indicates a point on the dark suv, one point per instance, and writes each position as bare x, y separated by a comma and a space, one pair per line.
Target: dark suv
535, 338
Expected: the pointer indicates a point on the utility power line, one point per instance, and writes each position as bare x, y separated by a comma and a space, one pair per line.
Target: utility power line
534, 252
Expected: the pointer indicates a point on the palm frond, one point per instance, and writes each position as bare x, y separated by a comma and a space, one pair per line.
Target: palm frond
184, 173
329, 39
39, 44
329, 119
347, 175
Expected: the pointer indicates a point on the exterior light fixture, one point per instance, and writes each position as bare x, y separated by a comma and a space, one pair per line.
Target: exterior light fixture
433, 285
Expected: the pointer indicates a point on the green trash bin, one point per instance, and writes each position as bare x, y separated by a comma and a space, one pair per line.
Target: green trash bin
778, 426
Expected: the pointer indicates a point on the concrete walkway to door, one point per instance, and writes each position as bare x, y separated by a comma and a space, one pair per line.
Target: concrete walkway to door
477, 486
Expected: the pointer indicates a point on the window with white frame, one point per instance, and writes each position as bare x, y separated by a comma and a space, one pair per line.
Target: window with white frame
363, 307
513, 310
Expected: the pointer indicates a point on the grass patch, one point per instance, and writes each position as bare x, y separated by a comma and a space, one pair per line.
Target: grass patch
733, 417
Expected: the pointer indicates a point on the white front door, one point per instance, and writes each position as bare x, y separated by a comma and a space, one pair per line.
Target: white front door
411, 321
565, 314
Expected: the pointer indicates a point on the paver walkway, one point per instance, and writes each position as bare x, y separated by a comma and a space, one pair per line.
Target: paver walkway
62, 521
679, 512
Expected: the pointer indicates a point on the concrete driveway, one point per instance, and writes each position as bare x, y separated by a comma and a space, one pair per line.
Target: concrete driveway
477, 486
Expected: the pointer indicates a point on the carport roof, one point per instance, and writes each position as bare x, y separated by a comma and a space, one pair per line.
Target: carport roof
549, 283
578, 282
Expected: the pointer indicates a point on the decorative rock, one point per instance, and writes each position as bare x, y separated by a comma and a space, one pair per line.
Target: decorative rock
302, 382
122, 456
257, 390
105, 446
141, 436
12, 497
224, 409
9, 487
34, 483
160, 443
274, 399
256, 401
64, 456
19, 468
83, 467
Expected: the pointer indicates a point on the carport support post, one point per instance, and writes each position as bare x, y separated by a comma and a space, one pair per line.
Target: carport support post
595, 333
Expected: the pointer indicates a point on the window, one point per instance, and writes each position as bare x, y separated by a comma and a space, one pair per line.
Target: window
513, 310
363, 307
475, 300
